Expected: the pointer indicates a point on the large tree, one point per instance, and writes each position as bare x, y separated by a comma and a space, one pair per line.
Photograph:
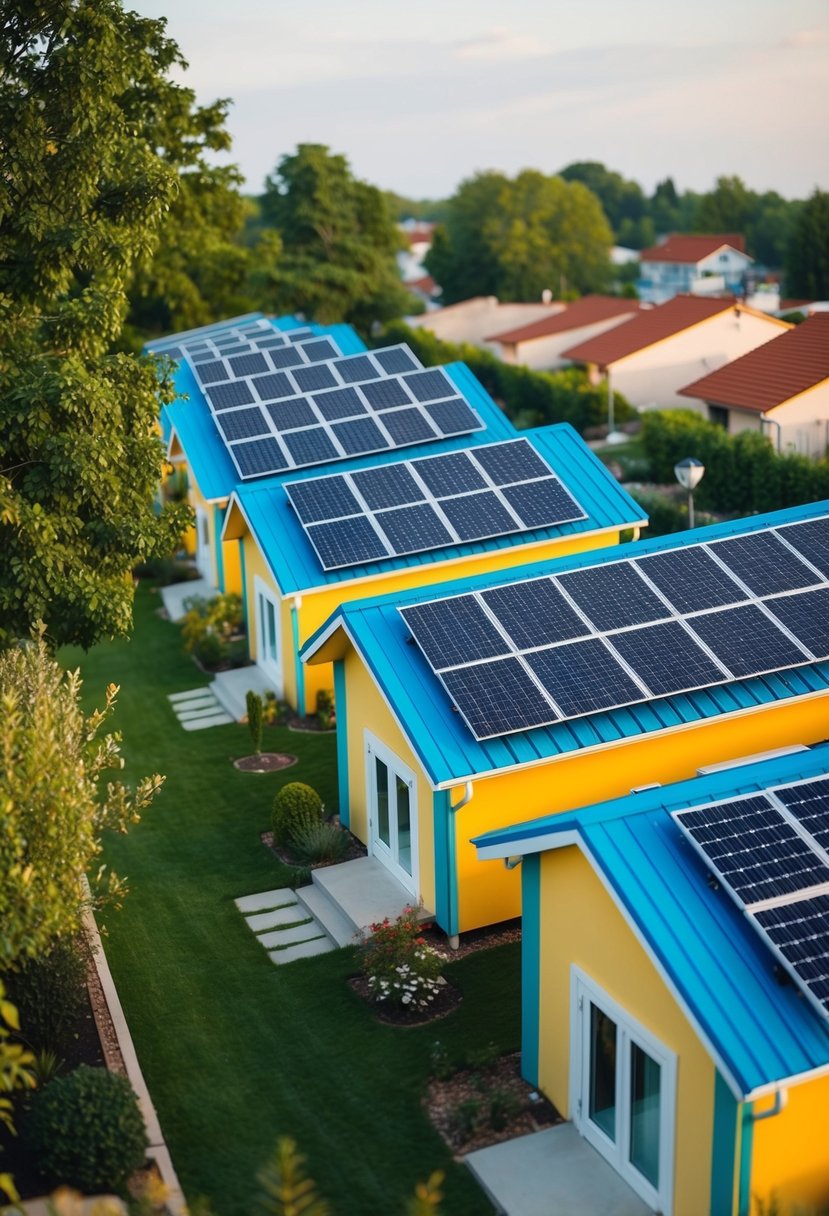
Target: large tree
83, 192
807, 262
623, 201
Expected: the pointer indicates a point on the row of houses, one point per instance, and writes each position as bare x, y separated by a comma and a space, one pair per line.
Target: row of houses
526, 708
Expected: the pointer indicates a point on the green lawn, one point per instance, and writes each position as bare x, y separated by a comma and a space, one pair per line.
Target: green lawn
236, 1051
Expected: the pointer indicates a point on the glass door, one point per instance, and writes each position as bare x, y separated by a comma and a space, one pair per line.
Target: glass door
392, 812
268, 650
204, 556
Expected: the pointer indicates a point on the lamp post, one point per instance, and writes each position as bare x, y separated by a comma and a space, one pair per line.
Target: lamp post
689, 473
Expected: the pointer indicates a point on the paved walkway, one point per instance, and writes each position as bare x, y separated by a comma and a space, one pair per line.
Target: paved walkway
284, 926
174, 595
198, 709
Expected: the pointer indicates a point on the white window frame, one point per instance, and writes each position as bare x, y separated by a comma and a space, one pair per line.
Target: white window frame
583, 991
204, 549
374, 748
274, 669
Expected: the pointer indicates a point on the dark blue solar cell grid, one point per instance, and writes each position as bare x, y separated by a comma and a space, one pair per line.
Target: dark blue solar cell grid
753, 849
800, 932
387, 486
228, 396
297, 335
691, 579
242, 424
286, 356
346, 542
454, 631
248, 365
498, 698
339, 403
269, 341
810, 538
746, 641
666, 658
273, 386
806, 616
310, 447
258, 456
288, 415
318, 376
474, 516
764, 563
172, 352
432, 385
357, 368
809, 803
413, 529
395, 361
583, 677
540, 504
322, 498
407, 426
448, 475
237, 348
534, 613
195, 346
360, 435
453, 417
319, 351
613, 596
515, 460
385, 394
211, 372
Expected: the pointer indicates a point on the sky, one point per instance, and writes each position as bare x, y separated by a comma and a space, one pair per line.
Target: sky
421, 96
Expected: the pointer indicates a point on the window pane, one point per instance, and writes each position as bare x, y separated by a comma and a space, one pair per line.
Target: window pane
271, 632
381, 778
404, 826
644, 1114
603, 1071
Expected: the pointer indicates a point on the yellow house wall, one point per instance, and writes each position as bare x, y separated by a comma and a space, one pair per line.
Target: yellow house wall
255, 565
790, 1152
580, 924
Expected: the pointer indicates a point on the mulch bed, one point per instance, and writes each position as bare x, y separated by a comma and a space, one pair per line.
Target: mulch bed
474, 1090
475, 940
354, 850
446, 1001
265, 762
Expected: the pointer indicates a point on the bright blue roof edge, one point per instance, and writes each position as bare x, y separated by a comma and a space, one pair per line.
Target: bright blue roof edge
763, 1032
448, 750
296, 567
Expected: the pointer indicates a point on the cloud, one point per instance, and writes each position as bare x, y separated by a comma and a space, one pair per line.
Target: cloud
499, 43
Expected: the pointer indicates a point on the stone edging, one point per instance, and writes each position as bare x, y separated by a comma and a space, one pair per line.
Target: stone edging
157, 1151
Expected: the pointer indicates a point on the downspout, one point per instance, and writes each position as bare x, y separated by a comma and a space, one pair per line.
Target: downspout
781, 1101
773, 422
468, 791
296, 604
749, 1118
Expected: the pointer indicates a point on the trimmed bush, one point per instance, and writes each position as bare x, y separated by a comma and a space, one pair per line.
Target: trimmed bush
49, 992
319, 842
256, 710
86, 1131
296, 807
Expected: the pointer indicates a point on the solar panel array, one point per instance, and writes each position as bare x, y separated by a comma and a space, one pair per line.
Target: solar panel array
286, 407
533, 653
247, 335
769, 850
417, 505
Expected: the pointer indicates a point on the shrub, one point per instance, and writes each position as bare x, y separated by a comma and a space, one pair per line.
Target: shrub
483, 1057
255, 707
49, 992
320, 842
468, 1117
401, 968
325, 709
296, 806
210, 626
503, 1106
86, 1130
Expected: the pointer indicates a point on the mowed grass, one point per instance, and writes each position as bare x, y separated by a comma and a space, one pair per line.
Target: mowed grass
236, 1051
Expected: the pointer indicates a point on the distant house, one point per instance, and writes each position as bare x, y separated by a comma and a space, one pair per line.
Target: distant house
424, 288
418, 241
781, 388
474, 320
699, 265
660, 350
539, 344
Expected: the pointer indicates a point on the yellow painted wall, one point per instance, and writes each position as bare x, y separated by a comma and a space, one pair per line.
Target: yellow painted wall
580, 924
790, 1153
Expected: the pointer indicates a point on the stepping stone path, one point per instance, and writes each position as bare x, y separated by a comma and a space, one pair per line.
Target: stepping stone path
284, 926
198, 709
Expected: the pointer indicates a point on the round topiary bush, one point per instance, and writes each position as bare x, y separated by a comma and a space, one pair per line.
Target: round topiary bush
86, 1131
296, 807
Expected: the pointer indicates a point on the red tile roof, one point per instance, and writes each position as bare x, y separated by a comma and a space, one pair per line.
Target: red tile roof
647, 327
587, 311
692, 249
773, 373
425, 284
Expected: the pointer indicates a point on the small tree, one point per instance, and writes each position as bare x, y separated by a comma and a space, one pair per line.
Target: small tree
287, 1190
255, 719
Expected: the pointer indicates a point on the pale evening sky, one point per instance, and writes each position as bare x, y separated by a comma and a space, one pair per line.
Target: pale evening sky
419, 96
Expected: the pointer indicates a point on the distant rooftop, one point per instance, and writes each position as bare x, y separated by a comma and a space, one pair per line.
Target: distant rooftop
589, 310
679, 247
648, 327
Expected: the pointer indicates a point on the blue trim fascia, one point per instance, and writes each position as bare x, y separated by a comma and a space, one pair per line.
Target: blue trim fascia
298, 667
530, 966
746, 1148
219, 558
341, 710
243, 575
446, 864
723, 1148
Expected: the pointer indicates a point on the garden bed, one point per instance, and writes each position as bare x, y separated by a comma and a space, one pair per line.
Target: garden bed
446, 1002
265, 762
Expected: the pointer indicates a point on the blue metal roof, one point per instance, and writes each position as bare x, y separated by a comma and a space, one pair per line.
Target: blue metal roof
760, 1031
449, 751
296, 567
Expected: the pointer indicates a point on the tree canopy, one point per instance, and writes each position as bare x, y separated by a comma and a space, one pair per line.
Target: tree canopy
807, 265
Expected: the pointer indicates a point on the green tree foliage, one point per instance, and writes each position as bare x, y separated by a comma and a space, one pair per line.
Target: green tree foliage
82, 195
623, 201
55, 800
427, 209
765, 220
286, 1188
338, 242
516, 238
807, 264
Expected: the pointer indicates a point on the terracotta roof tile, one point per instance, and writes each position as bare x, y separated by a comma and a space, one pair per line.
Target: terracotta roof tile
649, 326
587, 311
679, 247
773, 373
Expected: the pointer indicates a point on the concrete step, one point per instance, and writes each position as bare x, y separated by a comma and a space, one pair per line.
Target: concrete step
191, 695
282, 897
341, 930
219, 719
364, 891
308, 931
319, 945
230, 688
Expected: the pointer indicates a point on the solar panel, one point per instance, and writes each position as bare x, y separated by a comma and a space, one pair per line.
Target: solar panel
320, 350
491, 694
339, 403
451, 417
360, 435
288, 415
808, 802
463, 635
746, 641
387, 486
540, 504
613, 596
273, 386
242, 424
311, 446
799, 933
286, 356
226, 396
691, 579
432, 385
764, 563
211, 371
535, 613
474, 516
396, 360
507, 463
346, 542
323, 498
583, 676
360, 367
417, 527
385, 394
666, 658
248, 365
811, 538
258, 456
311, 379
807, 617
448, 475
408, 426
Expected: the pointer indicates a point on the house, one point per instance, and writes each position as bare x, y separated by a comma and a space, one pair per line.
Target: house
539, 344
295, 574
780, 389
460, 709
473, 320
702, 265
674, 987
652, 356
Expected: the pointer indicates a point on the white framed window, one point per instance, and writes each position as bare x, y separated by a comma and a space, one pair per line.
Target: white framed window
268, 640
391, 798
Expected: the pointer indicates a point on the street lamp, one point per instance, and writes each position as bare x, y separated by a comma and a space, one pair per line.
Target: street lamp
689, 473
